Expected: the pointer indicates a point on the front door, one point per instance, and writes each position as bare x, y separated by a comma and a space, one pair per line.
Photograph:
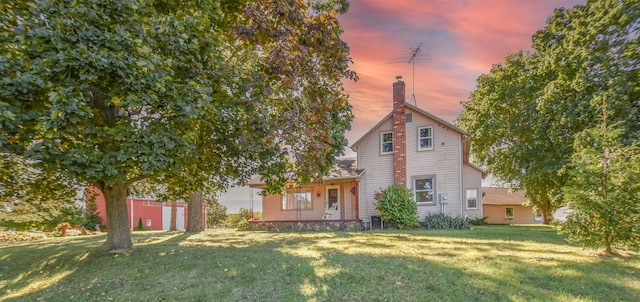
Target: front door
332, 204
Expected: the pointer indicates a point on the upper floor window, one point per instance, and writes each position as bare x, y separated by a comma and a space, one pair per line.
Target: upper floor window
425, 138
423, 189
386, 142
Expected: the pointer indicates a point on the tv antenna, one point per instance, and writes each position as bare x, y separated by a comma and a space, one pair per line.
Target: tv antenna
413, 56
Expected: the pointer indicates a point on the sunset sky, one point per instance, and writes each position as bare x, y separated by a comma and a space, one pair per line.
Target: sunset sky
461, 39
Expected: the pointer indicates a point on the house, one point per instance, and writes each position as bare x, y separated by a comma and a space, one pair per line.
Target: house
503, 207
425, 153
409, 146
155, 215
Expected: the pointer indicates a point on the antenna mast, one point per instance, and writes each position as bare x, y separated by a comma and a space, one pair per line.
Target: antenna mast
412, 61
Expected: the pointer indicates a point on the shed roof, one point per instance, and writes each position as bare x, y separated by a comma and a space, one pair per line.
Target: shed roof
501, 196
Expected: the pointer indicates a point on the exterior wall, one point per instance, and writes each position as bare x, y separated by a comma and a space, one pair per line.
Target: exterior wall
471, 179
496, 214
145, 209
444, 161
378, 172
272, 204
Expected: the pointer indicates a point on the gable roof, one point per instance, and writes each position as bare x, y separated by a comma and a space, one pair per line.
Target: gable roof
343, 168
501, 196
442, 122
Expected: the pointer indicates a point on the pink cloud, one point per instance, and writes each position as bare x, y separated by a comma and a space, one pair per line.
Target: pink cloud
461, 40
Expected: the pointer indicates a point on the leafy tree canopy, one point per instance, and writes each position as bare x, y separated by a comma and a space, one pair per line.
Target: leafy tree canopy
526, 114
112, 92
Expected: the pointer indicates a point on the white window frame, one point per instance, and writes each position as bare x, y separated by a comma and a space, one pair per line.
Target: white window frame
416, 190
420, 148
466, 198
297, 206
513, 214
382, 142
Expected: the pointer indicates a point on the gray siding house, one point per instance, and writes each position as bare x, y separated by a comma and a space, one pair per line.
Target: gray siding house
425, 153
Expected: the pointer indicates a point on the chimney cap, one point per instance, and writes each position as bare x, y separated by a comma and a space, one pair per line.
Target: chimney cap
399, 78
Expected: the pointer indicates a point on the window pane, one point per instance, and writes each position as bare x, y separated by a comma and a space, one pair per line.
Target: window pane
425, 132
509, 213
423, 189
386, 142
387, 137
387, 147
424, 196
425, 143
424, 184
472, 199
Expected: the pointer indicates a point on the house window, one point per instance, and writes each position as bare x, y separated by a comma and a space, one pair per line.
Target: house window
386, 142
425, 138
509, 213
297, 200
423, 189
472, 198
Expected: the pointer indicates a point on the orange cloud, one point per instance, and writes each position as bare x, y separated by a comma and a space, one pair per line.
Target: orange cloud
461, 40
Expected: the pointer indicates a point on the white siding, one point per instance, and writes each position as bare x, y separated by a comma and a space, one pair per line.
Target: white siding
472, 180
444, 161
378, 170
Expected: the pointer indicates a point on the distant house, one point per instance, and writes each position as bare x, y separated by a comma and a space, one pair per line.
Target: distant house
502, 207
409, 146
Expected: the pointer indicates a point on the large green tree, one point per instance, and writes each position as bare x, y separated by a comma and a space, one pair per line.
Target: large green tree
525, 115
110, 92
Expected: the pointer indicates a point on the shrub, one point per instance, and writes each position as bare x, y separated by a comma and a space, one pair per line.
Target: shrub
444, 222
140, 226
397, 208
246, 214
63, 227
243, 225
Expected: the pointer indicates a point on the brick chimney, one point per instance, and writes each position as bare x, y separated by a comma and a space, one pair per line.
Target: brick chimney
399, 133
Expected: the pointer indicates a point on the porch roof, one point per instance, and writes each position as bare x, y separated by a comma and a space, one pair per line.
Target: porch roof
343, 168
501, 196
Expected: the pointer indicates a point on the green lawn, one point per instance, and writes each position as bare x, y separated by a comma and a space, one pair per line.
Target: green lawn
492, 263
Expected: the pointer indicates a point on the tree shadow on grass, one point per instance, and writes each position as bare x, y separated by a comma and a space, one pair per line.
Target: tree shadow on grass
246, 266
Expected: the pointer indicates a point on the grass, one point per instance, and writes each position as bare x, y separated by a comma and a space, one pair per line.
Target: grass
493, 263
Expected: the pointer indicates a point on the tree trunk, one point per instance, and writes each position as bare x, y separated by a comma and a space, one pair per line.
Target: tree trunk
174, 214
118, 236
195, 222
546, 205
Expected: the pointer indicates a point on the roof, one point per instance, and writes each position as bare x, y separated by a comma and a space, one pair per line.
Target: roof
343, 168
501, 196
418, 110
